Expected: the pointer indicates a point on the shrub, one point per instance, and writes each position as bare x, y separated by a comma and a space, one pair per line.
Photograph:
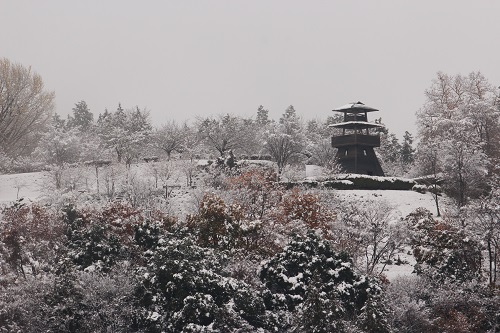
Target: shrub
442, 251
308, 277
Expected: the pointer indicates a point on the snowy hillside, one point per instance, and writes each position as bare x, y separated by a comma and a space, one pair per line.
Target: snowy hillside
403, 202
182, 200
23, 185
30, 186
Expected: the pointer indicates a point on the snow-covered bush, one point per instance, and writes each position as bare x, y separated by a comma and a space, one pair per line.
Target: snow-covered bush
181, 289
23, 164
98, 239
30, 236
255, 190
70, 301
302, 210
311, 280
221, 226
408, 306
416, 305
91, 244
443, 252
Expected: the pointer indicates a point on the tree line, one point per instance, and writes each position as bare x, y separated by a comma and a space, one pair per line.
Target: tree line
37, 136
458, 134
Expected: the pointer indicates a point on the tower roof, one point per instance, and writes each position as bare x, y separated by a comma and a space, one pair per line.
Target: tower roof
355, 107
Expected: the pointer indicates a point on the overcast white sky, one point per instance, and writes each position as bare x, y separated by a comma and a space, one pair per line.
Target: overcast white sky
182, 59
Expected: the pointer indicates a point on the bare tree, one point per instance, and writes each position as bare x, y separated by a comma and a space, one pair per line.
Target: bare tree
226, 132
485, 214
170, 137
370, 235
25, 108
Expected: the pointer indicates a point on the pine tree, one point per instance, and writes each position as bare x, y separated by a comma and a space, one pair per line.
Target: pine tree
82, 117
262, 116
407, 150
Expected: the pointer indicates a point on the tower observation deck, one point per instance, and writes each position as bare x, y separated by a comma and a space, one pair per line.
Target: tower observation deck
355, 152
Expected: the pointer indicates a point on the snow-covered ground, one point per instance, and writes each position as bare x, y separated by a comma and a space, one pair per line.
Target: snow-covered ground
29, 186
403, 202
22, 185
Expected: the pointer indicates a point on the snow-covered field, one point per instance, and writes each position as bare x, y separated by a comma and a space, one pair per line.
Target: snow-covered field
30, 186
22, 185
402, 202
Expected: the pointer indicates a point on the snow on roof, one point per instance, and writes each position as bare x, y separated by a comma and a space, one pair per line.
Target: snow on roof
355, 107
357, 124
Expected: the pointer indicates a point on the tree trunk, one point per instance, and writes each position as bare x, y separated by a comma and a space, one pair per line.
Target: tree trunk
436, 199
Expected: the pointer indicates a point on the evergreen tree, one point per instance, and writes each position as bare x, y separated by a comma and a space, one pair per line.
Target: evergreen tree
407, 150
82, 117
182, 290
316, 284
289, 114
262, 116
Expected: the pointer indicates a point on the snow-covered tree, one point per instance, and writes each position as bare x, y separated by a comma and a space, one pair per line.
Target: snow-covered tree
285, 140
369, 234
444, 252
484, 215
59, 146
225, 133
126, 132
460, 116
256, 191
170, 138
319, 146
82, 118
407, 152
465, 170
390, 152
181, 289
309, 279
262, 116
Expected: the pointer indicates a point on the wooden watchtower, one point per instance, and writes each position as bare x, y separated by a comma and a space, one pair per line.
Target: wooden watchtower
355, 152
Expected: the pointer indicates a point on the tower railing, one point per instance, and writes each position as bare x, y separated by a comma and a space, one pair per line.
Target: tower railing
356, 139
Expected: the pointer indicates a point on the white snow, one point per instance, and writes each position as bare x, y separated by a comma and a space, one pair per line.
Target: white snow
355, 105
357, 122
154, 316
394, 271
22, 185
404, 202
313, 171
